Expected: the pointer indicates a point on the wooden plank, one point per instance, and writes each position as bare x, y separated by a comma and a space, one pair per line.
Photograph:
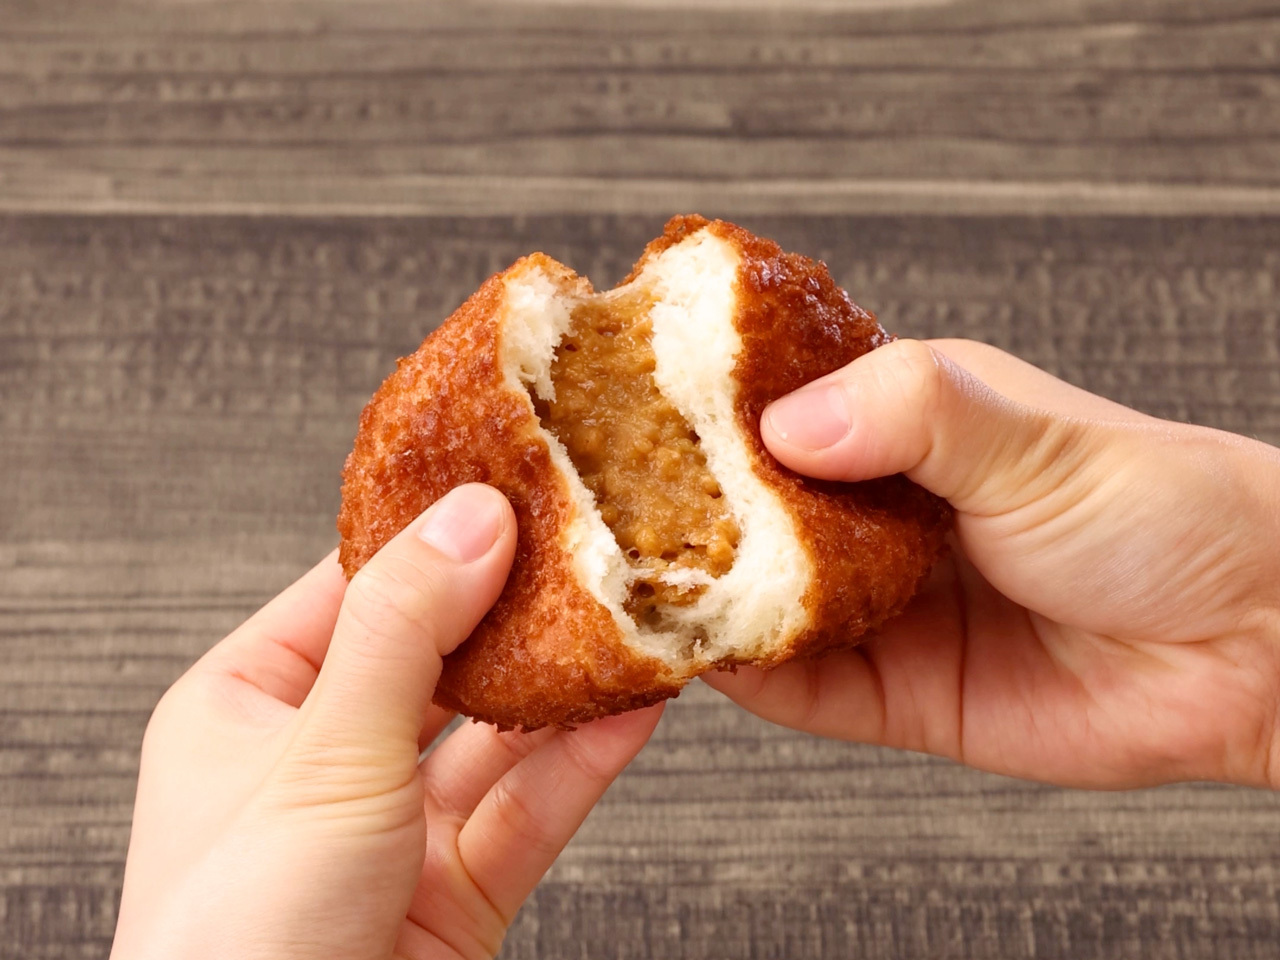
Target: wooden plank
176, 398
334, 193
447, 109
210, 60
177, 394
855, 919
69, 17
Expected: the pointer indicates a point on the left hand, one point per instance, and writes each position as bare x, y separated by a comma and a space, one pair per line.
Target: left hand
282, 810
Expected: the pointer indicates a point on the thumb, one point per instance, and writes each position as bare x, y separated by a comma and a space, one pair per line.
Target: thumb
419, 597
906, 408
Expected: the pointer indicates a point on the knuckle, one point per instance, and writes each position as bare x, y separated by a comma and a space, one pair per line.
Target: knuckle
165, 716
199, 699
597, 767
393, 593
375, 782
912, 372
189, 695
1057, 450
517, 744
1041, 469
519, 818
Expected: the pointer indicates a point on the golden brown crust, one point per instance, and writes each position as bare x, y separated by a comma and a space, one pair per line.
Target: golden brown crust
547, 653
871, 543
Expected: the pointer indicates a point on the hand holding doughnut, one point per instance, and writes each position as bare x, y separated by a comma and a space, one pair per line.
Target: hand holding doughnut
1111, 617
282, 810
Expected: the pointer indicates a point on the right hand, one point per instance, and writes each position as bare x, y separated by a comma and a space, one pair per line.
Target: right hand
1111, 617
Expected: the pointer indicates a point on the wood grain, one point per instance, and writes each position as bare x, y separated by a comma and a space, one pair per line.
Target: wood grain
222, 220
176, 398
313, 106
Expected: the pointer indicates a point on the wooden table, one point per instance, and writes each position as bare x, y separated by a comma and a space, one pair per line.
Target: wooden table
221, 221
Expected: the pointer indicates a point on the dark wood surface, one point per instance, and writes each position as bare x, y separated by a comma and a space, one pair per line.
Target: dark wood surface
523, 106
220, 223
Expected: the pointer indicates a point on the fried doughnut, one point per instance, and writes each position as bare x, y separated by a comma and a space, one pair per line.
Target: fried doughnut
657, 537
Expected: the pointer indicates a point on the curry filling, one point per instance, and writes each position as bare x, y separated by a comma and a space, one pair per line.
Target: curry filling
638, 456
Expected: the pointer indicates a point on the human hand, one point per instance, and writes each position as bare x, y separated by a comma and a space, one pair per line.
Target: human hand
1112, 615
282, 810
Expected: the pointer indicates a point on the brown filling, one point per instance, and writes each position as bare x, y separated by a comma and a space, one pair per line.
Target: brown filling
636, 453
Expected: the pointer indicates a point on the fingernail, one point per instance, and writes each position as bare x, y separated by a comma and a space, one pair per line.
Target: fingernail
812, 418
465, 523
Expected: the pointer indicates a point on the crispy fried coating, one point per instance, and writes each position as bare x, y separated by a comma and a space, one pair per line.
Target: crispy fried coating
548, 653
872, 542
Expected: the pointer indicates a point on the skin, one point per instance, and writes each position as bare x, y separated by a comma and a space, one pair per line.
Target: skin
1110, 614
1109, 617
282, 810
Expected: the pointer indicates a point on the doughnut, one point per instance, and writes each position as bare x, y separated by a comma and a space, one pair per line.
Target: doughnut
658, 539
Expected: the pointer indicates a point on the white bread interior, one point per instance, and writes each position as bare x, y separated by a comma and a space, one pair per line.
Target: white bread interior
754, 608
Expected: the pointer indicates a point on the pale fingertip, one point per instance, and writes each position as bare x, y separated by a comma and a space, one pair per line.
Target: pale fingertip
813, 418
412, 604
743, 682
466, 523
624, 726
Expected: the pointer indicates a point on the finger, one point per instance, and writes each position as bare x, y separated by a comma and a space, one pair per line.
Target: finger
907, 408
460, 771
1024, 383
416, 600
437, 719
901, 689
838, 696
280, 648
523, 823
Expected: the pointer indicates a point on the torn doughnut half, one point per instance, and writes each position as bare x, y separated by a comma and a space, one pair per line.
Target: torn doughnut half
657, 538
